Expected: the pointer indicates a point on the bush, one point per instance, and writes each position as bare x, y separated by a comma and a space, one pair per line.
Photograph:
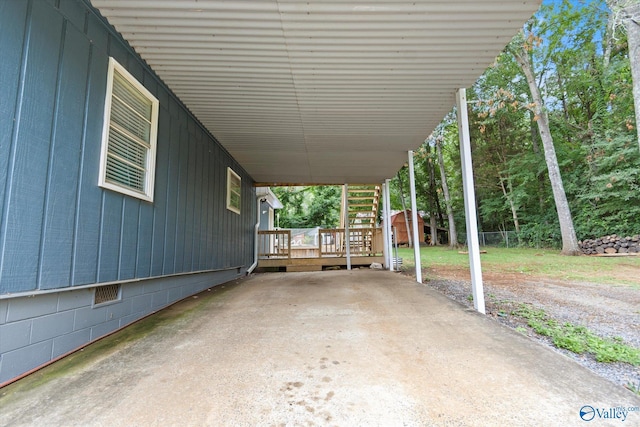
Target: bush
540, 235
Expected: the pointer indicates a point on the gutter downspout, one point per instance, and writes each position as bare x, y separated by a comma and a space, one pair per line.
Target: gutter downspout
252, 267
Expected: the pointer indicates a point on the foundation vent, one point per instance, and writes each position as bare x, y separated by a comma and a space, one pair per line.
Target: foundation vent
107, 293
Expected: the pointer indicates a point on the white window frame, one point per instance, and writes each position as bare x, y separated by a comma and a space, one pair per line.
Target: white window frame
150, 163
231, 175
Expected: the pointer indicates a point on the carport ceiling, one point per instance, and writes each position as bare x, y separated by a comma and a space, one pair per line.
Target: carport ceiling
318, 91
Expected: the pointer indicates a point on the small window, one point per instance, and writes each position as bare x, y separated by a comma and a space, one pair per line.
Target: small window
234, 187
127, 163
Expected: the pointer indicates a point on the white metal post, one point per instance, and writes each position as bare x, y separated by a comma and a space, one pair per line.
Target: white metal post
385, 251
347, 238
470, 202
414, 220
387, 223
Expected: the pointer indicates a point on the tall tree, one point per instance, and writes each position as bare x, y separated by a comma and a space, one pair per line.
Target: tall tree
507, 191
404, 209
502, 139
432, 195
633, 36
453, 234
583, 73
584, 79
626, 14
521, 51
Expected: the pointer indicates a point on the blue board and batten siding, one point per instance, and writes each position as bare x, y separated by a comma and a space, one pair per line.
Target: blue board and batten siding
59, 230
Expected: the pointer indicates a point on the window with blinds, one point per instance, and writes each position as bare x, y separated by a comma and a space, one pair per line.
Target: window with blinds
129, 135
234, 191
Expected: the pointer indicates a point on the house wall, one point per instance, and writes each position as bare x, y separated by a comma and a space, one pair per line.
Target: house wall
61, 234
266, 215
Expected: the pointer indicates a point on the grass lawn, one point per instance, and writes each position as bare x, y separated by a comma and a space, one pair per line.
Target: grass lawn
534, 262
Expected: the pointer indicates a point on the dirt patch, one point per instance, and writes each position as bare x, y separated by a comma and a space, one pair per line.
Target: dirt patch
607, 310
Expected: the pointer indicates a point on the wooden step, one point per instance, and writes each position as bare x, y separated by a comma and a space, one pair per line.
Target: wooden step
356, 189
359, 198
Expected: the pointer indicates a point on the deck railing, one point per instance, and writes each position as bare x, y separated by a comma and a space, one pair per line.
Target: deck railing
274, 244
330, 242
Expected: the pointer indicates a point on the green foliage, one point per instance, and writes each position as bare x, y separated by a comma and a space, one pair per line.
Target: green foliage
308, 207
540, 232
633, 387
578, 339
611, 198
590, 106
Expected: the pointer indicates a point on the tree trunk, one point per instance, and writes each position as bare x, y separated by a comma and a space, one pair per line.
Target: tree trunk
433, 196
608, 40
633, 38
440, 216
535, 135
433, 227
569, 239
508, 196
404, 209
453, 235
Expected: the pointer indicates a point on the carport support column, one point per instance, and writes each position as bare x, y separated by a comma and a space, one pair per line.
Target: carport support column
470, 201
414, 220
384, 229
388, 243
347, 238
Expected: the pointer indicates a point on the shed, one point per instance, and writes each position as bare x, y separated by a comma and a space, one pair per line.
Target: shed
399, 227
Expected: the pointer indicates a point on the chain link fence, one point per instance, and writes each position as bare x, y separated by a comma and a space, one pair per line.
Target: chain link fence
502, 239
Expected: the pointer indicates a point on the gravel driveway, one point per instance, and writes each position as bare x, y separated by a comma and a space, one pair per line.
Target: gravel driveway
608, 310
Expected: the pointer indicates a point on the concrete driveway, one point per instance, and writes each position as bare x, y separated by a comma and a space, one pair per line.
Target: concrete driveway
358, 348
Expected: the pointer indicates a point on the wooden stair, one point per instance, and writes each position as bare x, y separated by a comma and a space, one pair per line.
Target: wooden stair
361, 202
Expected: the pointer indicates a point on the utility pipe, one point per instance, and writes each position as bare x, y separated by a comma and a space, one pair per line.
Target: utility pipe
259, 199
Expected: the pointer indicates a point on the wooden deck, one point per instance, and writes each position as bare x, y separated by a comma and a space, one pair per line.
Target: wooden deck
312, 251
317, 264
